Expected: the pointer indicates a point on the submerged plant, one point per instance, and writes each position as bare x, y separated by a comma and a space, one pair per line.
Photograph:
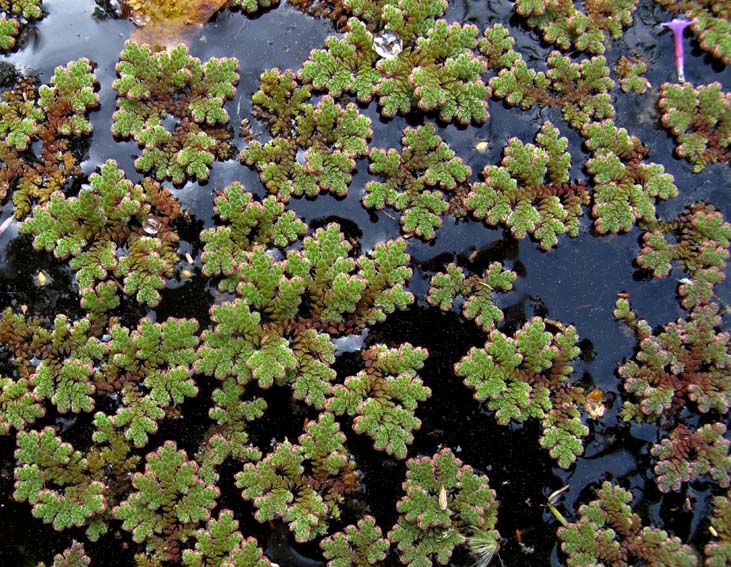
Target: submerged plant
608, 532
415, 180
530, 192
700, 120
384, 397
54, 118
524, 377
113, 230
477, 291
171, 105
445, 503
314, 147
564, 25
424, 62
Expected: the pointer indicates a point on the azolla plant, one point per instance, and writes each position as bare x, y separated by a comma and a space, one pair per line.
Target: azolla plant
286, 413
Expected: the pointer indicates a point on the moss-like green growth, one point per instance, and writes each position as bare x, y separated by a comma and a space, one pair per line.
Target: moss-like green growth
356, 546
718, 551
416, 180
530, 192
14, 15
154, 88
56, 116
444, 504
73, 556
417, 62
526, 376
631, 71
565, 25
700, 120
314, 148
112, 229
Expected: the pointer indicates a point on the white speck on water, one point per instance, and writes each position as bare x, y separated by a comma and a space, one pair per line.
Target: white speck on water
387, 45
350, 343
151, 225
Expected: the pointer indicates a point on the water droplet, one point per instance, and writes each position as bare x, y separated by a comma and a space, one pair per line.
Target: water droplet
387, 45
301, 156
151, 225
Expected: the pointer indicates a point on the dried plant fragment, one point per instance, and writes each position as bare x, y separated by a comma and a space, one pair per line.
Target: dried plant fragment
38, 130
530, 191
608, 532
686, 455
700, 120
416, 180
524, 377
427, 531
477, 292
156, 89
314, 148
564, 25
303, 485
384, 397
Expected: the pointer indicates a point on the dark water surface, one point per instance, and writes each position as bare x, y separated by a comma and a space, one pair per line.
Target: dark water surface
575, 283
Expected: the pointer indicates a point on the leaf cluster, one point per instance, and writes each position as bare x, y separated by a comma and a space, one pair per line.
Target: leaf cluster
525, 376
609, 532
530, 191
113, 230
710, 23
416, 180
314, 147
700, 120
14, 15
444, 503
154, 89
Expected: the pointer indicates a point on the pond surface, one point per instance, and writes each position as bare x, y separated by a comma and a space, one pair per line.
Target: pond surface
575, 283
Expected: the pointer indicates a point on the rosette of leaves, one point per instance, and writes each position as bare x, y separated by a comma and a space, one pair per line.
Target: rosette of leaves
384, 397
56, 116
718, 551
415, 181
53, 477
303, 485
710, 23
608, 532
277, 332
248, 223
155, 89
564, 25
530, 192
151, 369
682, 361
526, 376
699, 241
15, 14
580, 90
625, 186
221, 544
700, 120
168, 503
631, 70
444, 504
361, 545
430, 64
113, 230
314, 148
446, 287
687, 454
252, 6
